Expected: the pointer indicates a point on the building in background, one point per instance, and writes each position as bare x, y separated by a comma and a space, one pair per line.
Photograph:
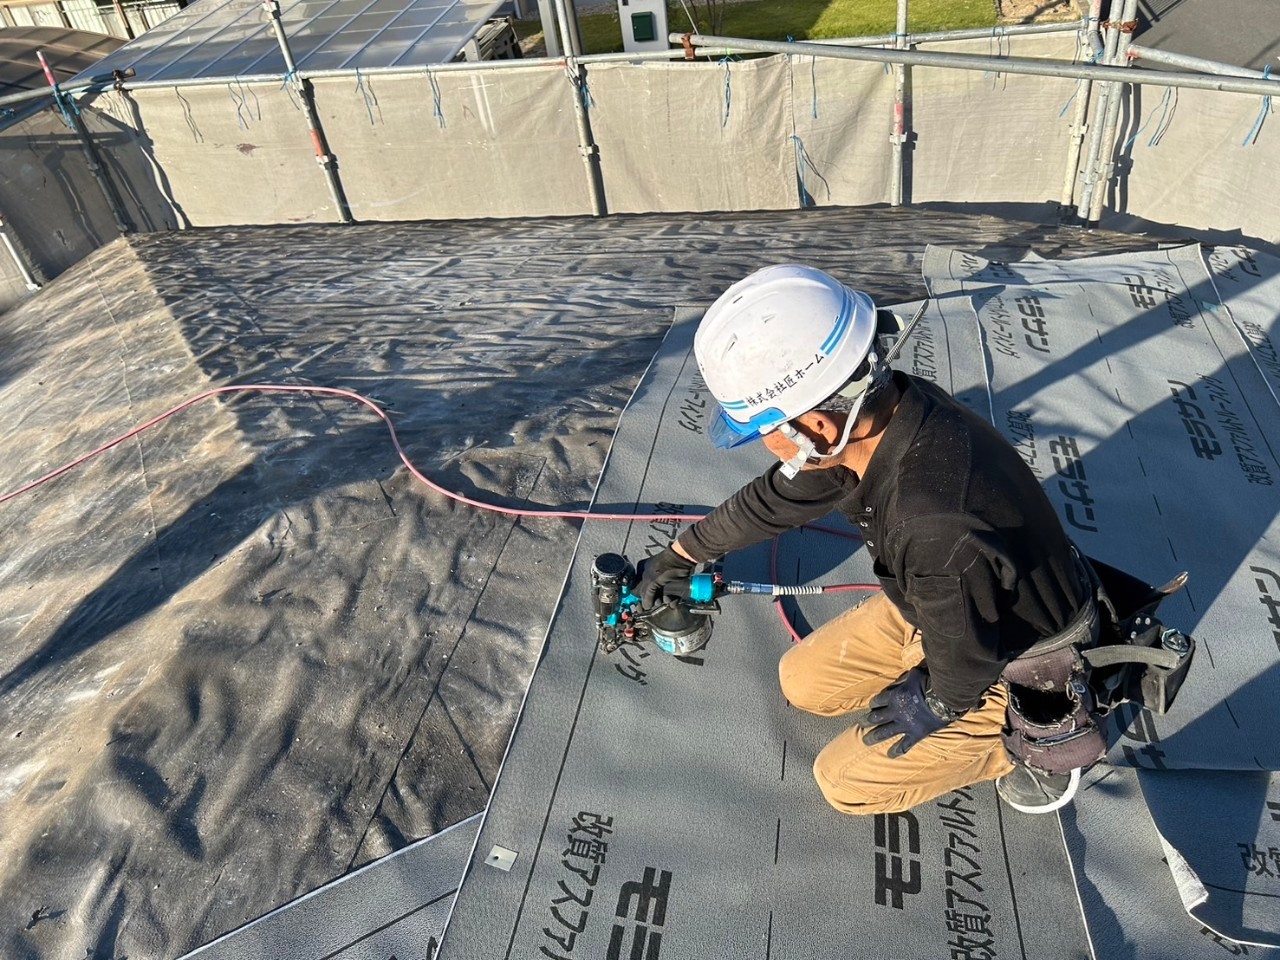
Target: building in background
117, 18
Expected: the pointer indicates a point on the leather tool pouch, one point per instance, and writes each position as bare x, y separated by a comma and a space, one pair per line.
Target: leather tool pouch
1137, 658
1114, 651
1053, 724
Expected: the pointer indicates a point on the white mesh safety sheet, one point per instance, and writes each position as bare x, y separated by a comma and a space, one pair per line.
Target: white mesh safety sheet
990, 137
694, 136
500, 143
1198, 159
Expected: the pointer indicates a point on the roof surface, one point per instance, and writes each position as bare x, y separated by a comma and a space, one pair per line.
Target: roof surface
246, 652
1245, 33
69, 52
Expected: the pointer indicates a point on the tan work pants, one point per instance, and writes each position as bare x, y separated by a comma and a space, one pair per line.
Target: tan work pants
838, 668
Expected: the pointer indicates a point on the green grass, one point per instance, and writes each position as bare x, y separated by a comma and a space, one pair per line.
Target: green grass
799, 19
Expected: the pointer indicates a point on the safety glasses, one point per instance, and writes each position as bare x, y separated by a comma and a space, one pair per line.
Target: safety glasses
727, 433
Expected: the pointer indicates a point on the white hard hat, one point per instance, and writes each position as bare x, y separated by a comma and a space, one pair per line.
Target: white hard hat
778, 344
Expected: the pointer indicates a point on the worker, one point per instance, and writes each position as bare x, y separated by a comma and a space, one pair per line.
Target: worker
975, 567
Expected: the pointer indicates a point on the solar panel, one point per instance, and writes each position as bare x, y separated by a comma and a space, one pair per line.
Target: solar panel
229, 38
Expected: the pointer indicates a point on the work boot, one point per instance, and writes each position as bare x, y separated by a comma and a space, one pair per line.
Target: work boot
1033, 792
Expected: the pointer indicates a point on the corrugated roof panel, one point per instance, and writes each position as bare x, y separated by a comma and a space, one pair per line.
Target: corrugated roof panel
69, 52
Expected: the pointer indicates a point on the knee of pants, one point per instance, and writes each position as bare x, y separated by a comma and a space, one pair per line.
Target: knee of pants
852, 797
794, 677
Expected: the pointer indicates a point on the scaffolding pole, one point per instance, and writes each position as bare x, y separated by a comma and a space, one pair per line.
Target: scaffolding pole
24, 268
577, 75
1092, 211
71, 113
964, 33
328, 163
99, 86
124, 19
899, 136
571, 31
1089, 41
1198, 64
547, 16
1111, 41
1021, 66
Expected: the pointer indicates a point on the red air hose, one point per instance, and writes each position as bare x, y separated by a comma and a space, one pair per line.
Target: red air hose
833, 588
418, 474
349, 395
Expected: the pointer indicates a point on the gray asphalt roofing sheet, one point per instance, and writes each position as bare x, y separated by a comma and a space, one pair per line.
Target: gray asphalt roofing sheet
659, 808
395, 906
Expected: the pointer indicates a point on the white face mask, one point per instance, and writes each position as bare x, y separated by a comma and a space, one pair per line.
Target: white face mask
807, 451
804, 450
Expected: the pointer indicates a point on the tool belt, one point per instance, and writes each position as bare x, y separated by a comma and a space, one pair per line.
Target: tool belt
1113, 651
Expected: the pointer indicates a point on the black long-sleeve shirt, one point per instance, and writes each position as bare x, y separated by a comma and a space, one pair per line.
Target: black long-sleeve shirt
963, 539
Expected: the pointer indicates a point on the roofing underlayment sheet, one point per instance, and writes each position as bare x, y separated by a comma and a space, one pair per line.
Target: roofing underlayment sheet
650, 807
1179, 470
393, 907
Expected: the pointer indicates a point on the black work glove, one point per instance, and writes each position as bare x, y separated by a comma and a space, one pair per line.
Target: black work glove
657, 571
906, 710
